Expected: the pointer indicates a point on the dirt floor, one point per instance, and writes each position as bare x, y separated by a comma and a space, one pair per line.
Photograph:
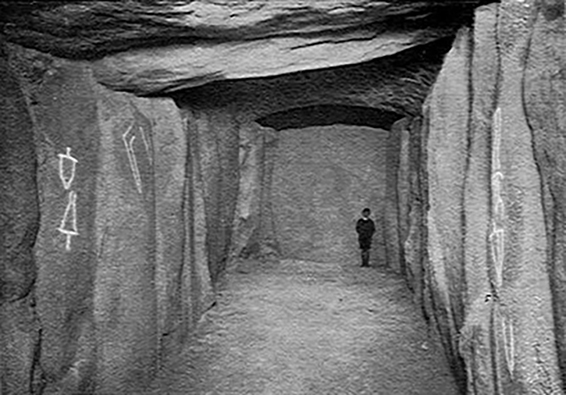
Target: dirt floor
296, 327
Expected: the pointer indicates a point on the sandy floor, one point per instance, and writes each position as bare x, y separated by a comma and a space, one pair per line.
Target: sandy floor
296, 327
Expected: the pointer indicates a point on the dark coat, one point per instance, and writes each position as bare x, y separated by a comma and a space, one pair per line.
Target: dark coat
365, 229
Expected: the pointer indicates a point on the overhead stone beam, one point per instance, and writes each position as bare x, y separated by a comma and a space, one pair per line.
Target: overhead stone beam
172, 68
86, 29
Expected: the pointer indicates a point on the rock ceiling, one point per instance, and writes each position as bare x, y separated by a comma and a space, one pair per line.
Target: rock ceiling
160, 46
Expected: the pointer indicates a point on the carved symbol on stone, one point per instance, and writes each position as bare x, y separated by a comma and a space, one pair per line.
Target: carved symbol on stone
497, 239
128, 138
129, 143
147, 147
508, 344
496, 139
67, 167
69, 222
497, 236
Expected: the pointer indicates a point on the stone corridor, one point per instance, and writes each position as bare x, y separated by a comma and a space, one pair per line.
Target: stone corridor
300, 327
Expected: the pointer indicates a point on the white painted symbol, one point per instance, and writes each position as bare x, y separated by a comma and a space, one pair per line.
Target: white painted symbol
128, 138
146, 145
497, 236
67, 177
509, 344
69, 222
132, 157
497, 239
496, 139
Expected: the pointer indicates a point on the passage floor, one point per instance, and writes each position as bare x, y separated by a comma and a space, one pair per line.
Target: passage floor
299, 327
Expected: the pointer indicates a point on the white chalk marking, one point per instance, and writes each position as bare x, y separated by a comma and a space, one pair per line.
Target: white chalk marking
70, 211
496, 139
147, 147
132, 157
67, 181
497, 239
497, 236
509, 344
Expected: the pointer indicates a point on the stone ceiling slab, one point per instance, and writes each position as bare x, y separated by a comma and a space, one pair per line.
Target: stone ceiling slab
160, 46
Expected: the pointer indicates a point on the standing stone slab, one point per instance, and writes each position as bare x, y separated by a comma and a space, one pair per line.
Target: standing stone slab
414, 247
525, 356
124, 293
170, 146
266, 235
19, 222
393, 251
248, 209
475, 341
197, 284
404, 179
545, 104
66, 134
448, 109
214, 132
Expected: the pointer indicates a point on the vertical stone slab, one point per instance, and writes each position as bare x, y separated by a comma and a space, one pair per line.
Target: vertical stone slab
475, 342
66, 133
448, 111
393, 249
196, 279
248, 207
545, 105
124, 293
523, 326
404, 180
215, 133
170, 146
415, 245
269, 245
19, 222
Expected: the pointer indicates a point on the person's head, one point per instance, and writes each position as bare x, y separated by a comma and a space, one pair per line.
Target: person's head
366, 212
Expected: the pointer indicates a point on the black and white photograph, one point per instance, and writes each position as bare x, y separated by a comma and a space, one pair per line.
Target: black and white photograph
283, 197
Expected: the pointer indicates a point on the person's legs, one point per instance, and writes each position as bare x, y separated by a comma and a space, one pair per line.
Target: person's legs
365, 257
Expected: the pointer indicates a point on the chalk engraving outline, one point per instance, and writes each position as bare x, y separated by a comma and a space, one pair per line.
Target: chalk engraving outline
70, 209
147, 147
74, 161
509, 344
497, 139
497, 236
132, 157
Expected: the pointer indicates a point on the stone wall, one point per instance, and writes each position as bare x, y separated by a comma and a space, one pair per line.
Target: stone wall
323, 178
19, 222
493, 276
120, 255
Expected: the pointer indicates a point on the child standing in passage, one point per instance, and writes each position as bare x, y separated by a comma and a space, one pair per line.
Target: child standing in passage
365, 228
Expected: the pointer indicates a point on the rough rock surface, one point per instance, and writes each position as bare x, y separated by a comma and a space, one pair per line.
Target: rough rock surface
172, 68
475, 344
110, 26
214, 138
390, 221
323, 177
544, 95
446, 118
304, 328
507, 340
195, 42
397, 83
115, 281
19, 222
414, 248
254, 232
